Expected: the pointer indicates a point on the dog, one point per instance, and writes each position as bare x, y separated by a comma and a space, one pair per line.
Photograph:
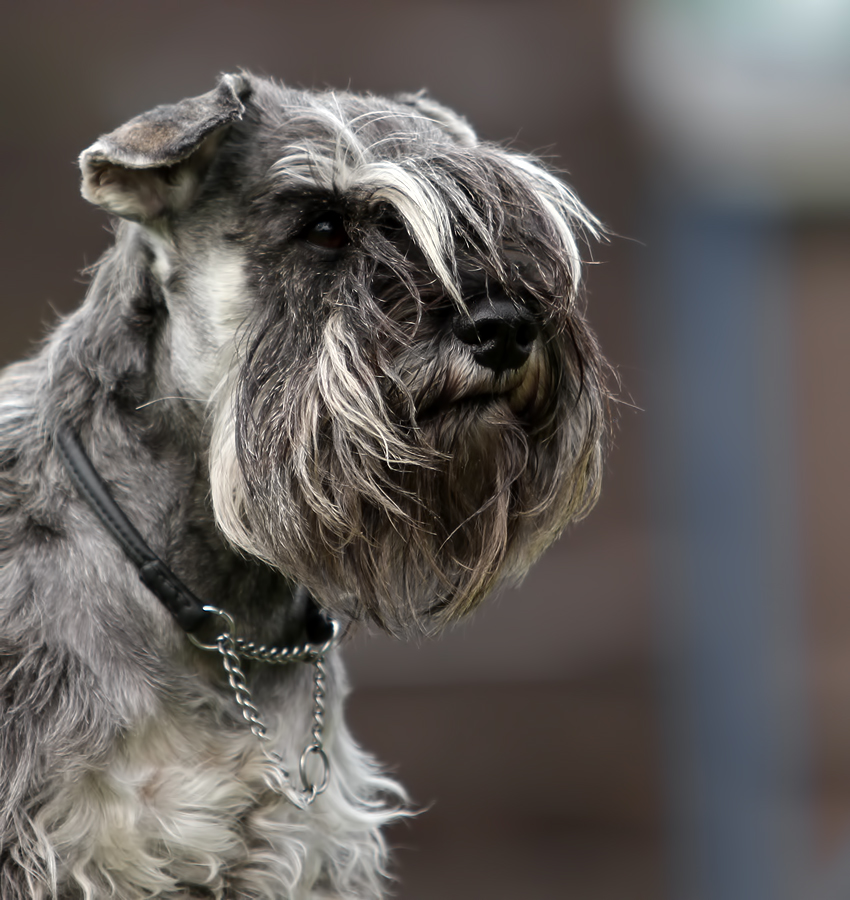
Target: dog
334, 369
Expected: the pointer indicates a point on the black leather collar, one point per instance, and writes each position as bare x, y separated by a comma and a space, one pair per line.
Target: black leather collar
186, 608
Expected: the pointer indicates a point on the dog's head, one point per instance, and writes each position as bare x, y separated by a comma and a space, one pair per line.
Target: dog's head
406, 406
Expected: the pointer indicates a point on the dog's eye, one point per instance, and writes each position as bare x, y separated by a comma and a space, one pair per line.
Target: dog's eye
327, 231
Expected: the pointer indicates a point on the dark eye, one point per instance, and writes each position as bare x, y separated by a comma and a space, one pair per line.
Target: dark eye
327, 231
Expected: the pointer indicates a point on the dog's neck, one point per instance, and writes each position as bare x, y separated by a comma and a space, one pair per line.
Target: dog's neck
147, 441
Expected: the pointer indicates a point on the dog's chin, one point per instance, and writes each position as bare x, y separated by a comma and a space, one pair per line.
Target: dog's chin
421, 546
411, 581
407, 508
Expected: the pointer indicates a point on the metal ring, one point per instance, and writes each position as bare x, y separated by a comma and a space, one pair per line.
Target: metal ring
325, 646
335, 630
315, 789
230, 627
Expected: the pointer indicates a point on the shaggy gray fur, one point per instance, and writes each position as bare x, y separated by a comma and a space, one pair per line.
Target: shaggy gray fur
277, 371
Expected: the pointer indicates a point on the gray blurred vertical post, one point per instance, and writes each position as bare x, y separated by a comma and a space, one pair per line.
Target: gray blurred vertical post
721, 411
743, 107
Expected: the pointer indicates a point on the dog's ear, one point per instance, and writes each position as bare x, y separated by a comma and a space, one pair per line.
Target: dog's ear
152, 165
446, 118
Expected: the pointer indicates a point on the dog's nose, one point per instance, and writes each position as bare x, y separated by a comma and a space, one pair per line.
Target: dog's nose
500, 333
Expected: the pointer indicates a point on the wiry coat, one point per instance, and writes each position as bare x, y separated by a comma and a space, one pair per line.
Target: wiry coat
266, 372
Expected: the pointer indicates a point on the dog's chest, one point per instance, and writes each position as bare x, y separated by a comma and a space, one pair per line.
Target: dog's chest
183, 805
179, 804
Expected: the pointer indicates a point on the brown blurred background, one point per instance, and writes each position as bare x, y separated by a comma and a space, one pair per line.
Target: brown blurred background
597, 733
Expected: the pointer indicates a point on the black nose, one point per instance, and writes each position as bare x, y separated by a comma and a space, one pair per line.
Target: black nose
499, 333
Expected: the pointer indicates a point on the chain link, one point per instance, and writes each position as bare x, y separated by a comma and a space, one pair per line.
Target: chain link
233, 650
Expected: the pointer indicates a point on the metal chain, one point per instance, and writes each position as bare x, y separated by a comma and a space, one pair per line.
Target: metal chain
232, 650
305, 652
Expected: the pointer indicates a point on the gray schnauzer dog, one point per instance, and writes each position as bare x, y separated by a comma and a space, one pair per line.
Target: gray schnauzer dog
332, 370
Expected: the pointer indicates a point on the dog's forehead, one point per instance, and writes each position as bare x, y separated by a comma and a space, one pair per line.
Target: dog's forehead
406, 153
354, 126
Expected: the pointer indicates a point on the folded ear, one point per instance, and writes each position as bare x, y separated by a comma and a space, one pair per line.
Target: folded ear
153, 164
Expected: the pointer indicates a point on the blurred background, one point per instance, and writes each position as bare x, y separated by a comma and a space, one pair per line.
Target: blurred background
662, 710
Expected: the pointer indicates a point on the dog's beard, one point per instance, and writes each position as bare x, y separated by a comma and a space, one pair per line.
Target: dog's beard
398, 492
